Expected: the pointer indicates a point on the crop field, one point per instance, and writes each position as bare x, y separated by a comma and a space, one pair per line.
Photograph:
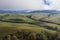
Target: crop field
29, 26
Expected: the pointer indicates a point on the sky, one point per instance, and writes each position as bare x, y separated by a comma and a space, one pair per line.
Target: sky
30, 4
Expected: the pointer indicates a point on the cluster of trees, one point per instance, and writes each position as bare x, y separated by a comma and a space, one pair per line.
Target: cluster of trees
28, 35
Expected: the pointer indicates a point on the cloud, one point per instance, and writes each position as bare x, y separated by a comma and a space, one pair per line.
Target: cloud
46, 2
54, 4
30, 4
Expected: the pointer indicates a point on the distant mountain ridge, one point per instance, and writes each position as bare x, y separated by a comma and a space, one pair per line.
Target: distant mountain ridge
29, 11
13, 11
45, 11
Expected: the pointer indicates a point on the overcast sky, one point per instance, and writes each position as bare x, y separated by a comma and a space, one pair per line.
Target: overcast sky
30, 4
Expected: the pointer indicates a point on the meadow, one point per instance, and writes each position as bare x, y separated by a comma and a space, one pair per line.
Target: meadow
29, 27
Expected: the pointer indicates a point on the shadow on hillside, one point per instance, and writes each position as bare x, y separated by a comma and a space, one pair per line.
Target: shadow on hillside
41, 24
49, 22
13, 21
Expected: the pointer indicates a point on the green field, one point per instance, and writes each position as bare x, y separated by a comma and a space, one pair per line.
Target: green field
29, 27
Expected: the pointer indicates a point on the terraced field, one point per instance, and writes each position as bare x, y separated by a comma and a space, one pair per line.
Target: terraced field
29, 27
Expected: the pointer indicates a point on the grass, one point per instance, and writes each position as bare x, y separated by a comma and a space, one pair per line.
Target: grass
7, 28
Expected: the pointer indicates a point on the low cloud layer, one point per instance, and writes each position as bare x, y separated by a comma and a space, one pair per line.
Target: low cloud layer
30, 4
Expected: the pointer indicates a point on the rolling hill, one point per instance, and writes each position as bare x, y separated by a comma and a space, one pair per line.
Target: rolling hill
34, 26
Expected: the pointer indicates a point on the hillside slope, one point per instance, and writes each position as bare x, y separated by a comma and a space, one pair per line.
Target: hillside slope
28, 27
